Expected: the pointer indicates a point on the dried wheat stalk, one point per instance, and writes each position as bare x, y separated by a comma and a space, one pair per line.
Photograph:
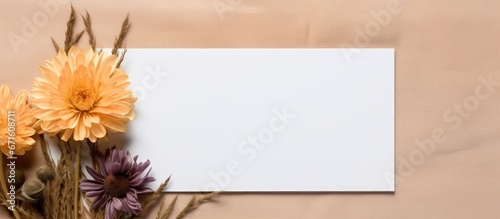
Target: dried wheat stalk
193, 204
148, 203
88, 28
58, 192
46, 153
69, 30
25, 212
121, 37
69, 41
122, 56
164, 214
56, 47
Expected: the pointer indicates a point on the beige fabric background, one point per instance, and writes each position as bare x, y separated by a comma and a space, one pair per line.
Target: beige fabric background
442, 49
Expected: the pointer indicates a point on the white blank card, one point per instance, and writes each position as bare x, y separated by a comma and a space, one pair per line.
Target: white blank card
264, 120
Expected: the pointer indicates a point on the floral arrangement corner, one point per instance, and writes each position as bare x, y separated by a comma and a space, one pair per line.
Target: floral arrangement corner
81, 97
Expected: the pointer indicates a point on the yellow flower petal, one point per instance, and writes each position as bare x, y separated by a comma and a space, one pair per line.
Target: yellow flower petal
24, 121
83, 95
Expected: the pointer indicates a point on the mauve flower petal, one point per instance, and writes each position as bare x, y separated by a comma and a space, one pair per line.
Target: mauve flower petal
115, 169
133, 193
142, 166
102, 165
136, 176
126, 163
108, 166
133, 204
117, 204
132, 199
115, 155
97, 176
110, 158
90, 185
118, 162
139, 180
147, 174
148, 179
100, 201
125, 206
139, 170
95, 193
143, 190
110, 211
136, 181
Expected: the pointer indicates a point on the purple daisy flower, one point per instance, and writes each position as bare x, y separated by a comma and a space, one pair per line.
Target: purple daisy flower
118, 183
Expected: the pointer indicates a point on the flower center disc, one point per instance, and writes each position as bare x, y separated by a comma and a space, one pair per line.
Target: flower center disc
117, 186
83, 99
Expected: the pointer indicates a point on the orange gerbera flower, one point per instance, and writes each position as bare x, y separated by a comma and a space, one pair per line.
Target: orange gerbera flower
15, 115
82, 94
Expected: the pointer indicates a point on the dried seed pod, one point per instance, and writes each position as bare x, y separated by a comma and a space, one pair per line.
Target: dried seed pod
32, 189
44, 173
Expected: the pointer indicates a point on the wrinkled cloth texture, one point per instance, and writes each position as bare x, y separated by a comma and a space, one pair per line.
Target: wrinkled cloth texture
447, 86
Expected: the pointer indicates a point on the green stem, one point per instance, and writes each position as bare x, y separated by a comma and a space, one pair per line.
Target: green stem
76, 195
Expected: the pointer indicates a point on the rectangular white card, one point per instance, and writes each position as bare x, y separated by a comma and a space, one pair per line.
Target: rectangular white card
264, 119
